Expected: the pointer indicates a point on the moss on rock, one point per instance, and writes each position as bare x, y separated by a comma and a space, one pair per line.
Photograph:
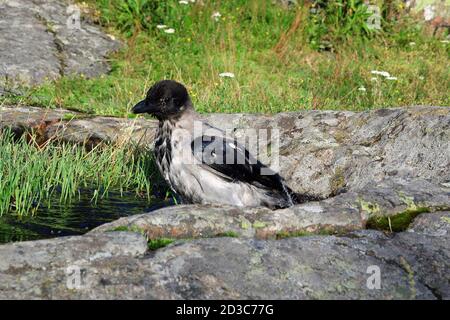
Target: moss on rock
395, 223
154, 244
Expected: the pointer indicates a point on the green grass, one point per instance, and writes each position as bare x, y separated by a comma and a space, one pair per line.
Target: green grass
229, 234
32, 174
396, 223
269, 49
154, 244
303, 233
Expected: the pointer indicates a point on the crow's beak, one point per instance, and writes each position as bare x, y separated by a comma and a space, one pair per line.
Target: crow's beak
140, 107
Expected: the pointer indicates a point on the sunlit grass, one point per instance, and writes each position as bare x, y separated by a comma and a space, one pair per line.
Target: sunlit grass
275, 69
32, 174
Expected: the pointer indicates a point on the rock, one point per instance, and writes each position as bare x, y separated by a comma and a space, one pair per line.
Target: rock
383, 169
437, 224
28, 119
315, 267
367, 208
195, 221
63, 250
320, 152
94, 130
324, 152
30, 265
44, 39
75, 127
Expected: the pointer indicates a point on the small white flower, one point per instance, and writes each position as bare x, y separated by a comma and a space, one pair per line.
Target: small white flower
193, 1
216, 15
170, 30
412, 43
362, 89
391, 78
381, 73
429, 12
226, 75
183, 2
421, 78
161, 26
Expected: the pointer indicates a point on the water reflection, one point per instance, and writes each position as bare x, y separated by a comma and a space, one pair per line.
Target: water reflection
75, 218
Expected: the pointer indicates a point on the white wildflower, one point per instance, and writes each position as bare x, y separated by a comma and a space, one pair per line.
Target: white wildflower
429, 12
391, 78
226, 75
161, 26
412, 43
170, 30
183, 2
362, 89
216, 15
381, 73
421, 78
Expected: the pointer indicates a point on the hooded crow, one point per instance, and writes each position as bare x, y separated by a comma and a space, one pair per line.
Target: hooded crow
205, 166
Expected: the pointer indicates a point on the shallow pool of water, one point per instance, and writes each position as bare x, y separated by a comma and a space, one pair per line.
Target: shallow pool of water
75, 218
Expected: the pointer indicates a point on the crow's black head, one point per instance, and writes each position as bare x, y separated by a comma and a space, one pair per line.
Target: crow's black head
165, 99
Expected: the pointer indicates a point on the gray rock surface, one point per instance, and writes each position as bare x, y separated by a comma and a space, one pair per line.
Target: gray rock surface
74, 127
432, 224
338, 215
64, 250
320, 152
383, 169
41, 39
411, 266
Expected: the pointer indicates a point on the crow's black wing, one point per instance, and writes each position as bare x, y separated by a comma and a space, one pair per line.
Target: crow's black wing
233, 162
